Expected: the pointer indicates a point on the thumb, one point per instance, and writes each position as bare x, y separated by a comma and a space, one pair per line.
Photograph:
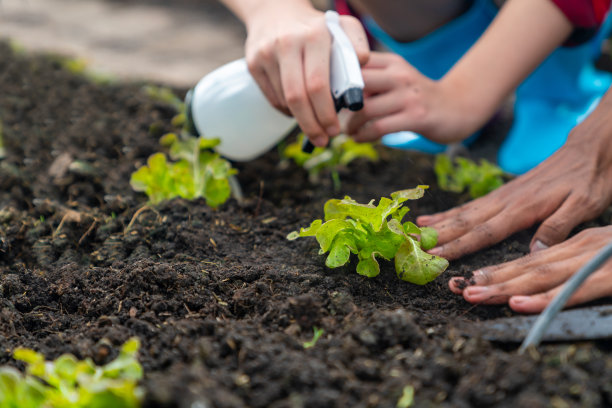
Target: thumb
355, 32
556, 227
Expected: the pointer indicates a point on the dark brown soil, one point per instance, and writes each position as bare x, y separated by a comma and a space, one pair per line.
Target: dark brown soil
220, 300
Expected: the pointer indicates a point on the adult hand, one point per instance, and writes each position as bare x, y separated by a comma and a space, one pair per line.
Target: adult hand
529, 283
570, 187
398, 97
288, 53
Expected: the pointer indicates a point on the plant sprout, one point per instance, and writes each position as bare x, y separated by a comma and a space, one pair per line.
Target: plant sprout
68, 382
197, 172
317, 333
478, 179
341, 151
376, 231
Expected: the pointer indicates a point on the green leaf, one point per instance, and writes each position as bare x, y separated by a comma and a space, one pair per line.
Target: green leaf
317, 333
429, 238
327, 232
338, 255
368, 266
414, 265
306, 232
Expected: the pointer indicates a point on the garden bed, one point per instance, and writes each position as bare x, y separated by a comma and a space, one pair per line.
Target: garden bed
220, 300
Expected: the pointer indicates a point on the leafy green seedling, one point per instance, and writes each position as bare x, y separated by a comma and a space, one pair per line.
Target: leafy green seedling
317, 333
370, 231
407, 398
341, 151
167, 96
68, 382
197, 172
479, 179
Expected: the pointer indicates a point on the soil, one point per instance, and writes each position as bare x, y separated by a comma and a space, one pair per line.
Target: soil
220, 300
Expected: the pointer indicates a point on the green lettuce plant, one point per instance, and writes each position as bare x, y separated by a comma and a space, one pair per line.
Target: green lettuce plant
71, 383
341, 151
478, 179
196, 172
377, 231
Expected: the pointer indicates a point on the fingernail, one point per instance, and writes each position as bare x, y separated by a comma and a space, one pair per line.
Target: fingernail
423, 219
319, 141
333, 130
517, 300
459, 283
435, 251
538, 246
478, 277
476, 290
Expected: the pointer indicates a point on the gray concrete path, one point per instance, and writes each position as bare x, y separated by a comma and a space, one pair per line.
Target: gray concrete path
173, 45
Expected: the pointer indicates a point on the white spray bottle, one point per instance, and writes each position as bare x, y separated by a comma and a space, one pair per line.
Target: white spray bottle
228, 104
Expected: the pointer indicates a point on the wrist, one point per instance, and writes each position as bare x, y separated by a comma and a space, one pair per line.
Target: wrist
460, 114
594, 135
269, 11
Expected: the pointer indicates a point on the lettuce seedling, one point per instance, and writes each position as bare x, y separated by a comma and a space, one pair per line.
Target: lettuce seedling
197, 172
370, 231
479, 179
68, 382
316, 335
341, 151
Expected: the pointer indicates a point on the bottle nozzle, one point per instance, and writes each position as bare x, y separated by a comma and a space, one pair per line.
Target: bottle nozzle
353, 99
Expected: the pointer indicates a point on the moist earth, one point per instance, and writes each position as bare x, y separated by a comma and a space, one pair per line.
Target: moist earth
220, 300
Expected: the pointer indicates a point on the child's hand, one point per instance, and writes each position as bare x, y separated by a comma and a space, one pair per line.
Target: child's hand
398, 97
529, 284
288, 54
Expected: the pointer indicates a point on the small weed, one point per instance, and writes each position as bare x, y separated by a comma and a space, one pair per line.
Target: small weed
317, 333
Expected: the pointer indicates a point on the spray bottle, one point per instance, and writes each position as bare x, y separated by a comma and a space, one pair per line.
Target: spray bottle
228, 104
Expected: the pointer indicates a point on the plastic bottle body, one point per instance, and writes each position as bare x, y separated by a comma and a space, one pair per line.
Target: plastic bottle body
228, 104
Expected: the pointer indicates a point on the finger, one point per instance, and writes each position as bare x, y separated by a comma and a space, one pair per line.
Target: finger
532, 263
355, 32
595, 287
273, 93
477, 237
316, 69
479, 209
292, 79
462, 220
377, 80
535, 280
374, 107
558, 226
379, 60
377, 128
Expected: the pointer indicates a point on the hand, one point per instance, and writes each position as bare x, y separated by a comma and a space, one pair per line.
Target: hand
570, 187
530, 283
398, 97
288, 54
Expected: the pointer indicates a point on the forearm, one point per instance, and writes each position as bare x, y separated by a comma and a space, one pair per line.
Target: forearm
522, 35
248, 10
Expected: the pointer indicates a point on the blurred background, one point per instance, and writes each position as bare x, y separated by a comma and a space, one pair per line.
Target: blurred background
174, 42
